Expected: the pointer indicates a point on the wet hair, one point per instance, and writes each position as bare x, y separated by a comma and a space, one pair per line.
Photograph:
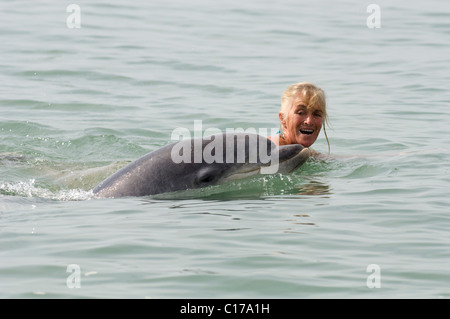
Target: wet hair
313, 96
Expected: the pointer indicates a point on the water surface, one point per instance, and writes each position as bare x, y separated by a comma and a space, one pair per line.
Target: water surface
78, 104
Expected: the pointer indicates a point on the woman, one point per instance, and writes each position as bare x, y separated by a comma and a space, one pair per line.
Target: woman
302, 115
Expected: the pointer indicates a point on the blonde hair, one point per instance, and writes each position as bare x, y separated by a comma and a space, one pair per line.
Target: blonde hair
313, 96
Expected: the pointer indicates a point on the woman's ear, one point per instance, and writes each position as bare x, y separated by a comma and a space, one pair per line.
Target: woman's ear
283, 125
282, 119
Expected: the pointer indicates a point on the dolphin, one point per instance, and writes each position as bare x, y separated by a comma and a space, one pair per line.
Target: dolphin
201, 162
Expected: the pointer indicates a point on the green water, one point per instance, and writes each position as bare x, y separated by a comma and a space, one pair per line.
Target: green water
78, 104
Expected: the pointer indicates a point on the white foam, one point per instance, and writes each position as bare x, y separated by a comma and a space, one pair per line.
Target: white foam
29, 189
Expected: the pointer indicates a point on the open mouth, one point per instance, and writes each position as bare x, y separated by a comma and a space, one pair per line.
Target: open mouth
306, 131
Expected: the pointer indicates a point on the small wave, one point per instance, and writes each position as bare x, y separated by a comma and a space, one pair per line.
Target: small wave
29, 189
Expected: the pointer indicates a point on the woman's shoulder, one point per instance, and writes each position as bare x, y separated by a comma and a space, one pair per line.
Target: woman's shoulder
275, 139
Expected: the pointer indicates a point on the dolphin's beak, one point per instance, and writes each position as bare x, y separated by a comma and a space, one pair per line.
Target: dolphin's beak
290, 158
291, 164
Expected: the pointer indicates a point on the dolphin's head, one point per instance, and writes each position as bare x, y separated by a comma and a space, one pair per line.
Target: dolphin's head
227, 157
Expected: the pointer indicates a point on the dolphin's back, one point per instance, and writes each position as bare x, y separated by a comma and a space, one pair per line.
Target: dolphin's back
138, 178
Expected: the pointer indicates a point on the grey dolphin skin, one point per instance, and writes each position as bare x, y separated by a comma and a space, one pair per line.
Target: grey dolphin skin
196, 163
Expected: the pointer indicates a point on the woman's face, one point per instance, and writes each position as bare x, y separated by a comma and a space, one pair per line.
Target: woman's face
301, 125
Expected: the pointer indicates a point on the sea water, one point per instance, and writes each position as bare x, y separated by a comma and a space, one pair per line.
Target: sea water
85, 89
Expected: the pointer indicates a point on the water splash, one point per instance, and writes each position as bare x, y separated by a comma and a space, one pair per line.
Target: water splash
30, 189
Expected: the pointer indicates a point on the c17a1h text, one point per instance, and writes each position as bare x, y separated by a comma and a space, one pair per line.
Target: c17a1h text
235, 308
